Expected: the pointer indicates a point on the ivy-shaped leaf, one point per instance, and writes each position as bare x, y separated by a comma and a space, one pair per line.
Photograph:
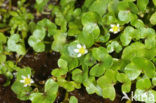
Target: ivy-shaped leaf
73, 99
106, 61
107, 82
59, 41
145, 65
36, 40
114, 46
137, 49
49, 95
77, 75
99, 6
22, 92
132, 71
143, 83
142, 4
16, 44
123, 78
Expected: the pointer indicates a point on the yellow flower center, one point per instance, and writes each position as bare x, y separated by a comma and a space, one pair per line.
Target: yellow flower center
27, 81
115, 28
82, 50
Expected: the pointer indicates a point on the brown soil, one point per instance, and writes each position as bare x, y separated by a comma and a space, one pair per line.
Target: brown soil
42, 64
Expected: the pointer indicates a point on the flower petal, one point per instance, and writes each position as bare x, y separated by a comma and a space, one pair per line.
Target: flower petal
25, 85
22, 81
111, 30
84, 46
79, 46
76, 50
115, 32
23, 77
79, 55
28, 75
86, 51
112, 25
32, 81
118, 25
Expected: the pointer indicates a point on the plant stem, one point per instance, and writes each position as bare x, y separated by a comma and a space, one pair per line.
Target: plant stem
20, 58
66, 97
3, 30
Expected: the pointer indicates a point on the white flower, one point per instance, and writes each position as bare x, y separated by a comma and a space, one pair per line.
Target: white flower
115, 28
27, 81
81, 50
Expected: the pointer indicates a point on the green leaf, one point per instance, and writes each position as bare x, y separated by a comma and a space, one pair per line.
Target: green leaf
77, 75
39, 47
114, 46
108, 90
125, 16
99, 6
101, 54
18, 87
133, 7
143, 83
146, 65
138, 49
59, 41
40, 4
104, 38
89, 60
154, 2
132, 71
39, 34
51, 89
137, 23
93, 18
68, 85
87, 39
73, 99
72, 62
62, 63
142, 4
32, 41
36, 40
39, 98
92, 29
126, 36
98, 70
15, 44
87, 4
2, 59
154, 81
46, 23
74, 28
126, 87
3, 38
153, 19
121, 77
58, 72
91, 87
